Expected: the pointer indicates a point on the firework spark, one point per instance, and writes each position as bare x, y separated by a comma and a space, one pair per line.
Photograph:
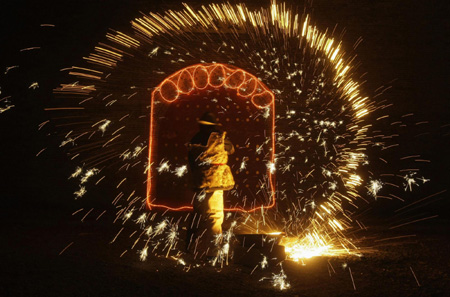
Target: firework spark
279, 280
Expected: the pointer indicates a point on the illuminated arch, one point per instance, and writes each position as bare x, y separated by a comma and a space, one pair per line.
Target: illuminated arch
214, 76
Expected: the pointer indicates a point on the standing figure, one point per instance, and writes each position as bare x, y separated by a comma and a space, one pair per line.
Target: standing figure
208, 156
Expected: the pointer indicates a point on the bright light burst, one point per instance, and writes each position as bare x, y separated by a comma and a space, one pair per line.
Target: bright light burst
312, 245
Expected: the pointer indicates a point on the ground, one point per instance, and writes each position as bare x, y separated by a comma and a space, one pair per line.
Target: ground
91, 266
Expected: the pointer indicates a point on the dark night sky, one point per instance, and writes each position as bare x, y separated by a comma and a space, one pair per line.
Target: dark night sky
404, 46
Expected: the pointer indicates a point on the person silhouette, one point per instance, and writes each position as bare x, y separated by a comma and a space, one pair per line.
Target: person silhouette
208, 154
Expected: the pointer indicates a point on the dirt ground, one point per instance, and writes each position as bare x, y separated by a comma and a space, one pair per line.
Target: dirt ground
91, 266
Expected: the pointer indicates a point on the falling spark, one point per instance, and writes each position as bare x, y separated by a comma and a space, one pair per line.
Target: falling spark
266, 113
88, 174
154, 52
271, 167
264, 262
279, 280
141, 220
201, 196
409, 181
181, 262
127, 215
64, 249
34, 86
160, 228
243, 164
180, 171
10, 68
351, 275
143, 254
149, 231
6, 108
374, 187
66, 141
163, 166
80, 193
103, 126
412, 271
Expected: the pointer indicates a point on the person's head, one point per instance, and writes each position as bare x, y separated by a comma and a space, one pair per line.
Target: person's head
208, 121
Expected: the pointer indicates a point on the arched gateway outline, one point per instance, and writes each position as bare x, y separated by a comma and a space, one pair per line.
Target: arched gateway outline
200, 77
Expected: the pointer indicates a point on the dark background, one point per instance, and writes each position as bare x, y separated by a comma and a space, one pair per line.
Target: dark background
405, 46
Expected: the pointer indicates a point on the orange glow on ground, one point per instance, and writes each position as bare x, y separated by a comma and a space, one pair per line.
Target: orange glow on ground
199, 77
